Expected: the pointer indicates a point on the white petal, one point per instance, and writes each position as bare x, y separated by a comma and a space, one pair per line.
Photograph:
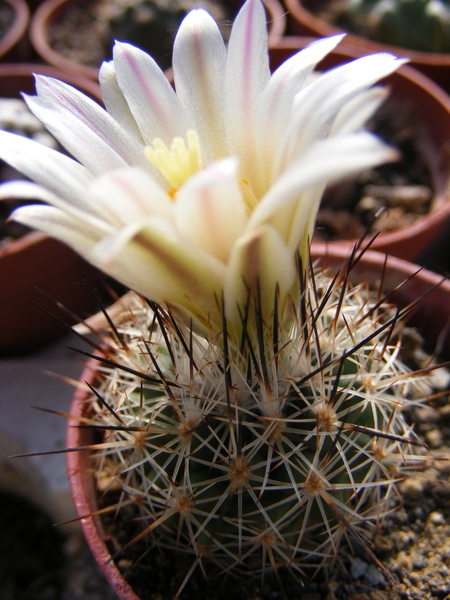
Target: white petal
276, 103
247, 73
61, 175
292, 212
357, 111
320, 102
151, 99
210, 209
78, 235
87, 131
199, 57
25, 190
151, 258
129, 195
114, 100
260, 264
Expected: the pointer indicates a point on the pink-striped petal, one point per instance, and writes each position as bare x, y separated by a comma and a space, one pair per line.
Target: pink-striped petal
65, 178
260, 266
78, 234
210, 209
128, 195
289, 209
154, 260
247, 74
85, 129
274, 112
199, 57
114, 100
317, 105
150, 97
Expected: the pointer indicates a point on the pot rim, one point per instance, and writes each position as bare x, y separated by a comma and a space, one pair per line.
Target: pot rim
357, 43
82, 83
18, 28
45, 14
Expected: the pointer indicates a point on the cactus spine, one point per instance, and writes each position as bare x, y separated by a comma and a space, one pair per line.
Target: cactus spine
265, 451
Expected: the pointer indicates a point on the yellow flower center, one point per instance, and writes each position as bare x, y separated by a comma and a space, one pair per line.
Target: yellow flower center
177, 163
248, 193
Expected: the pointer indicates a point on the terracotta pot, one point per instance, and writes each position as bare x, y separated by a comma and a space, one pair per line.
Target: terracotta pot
15, 44
303, 22
18, 78
431, 317
51, 10
37, 260
84, 495
430, 107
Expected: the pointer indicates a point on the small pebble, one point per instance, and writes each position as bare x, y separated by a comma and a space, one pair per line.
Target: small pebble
426, 414
357, 567
414, 577
437, 518
440, 378
434, 438
418, 561
373, 576
411, 487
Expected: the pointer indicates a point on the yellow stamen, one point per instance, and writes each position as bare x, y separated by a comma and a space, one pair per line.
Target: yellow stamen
250, 198
179, 162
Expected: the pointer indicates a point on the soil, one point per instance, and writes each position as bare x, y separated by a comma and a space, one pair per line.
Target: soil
6, 18
86, 31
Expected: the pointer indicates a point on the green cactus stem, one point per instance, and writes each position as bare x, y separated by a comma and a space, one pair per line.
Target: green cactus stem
422, 25
265, 453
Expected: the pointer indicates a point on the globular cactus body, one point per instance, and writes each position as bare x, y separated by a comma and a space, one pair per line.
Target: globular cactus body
265, 451
151, 24
422, 25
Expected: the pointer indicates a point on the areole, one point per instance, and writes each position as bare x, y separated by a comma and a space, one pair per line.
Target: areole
431, 316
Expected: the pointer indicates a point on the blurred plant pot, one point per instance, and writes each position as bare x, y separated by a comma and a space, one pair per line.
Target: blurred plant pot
431, 317
51, 11
37, 260
301, 21
430, 120
14, 45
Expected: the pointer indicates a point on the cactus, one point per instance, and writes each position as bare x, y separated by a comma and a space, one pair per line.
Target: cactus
263, 453
151, 24
422, 25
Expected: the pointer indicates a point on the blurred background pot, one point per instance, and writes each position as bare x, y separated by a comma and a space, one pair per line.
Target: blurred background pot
51, 12
429, 118
37, 260
302, 21
431, 318
14, 44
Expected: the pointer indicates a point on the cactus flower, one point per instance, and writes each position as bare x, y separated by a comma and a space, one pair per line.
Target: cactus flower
204, 195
